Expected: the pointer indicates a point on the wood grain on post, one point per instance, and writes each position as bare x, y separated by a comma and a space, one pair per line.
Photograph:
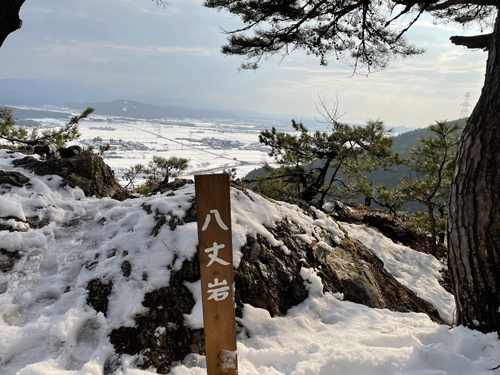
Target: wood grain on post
216, 269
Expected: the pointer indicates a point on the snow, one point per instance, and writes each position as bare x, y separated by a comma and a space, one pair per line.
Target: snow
46, 326
326, 336
312, 281
171, 138
408, 266
9, 207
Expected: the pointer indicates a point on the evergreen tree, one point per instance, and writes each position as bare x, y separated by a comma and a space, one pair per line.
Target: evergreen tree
19, 135
132, 174
160, 169
433, 161
305, 158
362, 33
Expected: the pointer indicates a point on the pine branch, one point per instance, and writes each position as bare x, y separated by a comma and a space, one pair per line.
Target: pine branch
473, 42
450, 3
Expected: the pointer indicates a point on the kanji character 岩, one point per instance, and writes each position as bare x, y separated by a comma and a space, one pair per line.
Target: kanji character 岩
218, 294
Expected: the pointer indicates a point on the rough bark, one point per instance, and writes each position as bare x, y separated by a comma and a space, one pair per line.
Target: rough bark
9, 18
474, 219
482, 41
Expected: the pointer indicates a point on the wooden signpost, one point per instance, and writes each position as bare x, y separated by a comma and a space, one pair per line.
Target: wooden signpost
216, 269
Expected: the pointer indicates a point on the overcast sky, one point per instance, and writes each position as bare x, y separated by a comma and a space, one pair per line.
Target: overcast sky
135, 46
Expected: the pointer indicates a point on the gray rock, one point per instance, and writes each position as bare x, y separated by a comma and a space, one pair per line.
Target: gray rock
13, 178
86, 170
48, 151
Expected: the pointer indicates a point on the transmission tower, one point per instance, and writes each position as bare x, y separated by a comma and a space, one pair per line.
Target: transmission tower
466, 106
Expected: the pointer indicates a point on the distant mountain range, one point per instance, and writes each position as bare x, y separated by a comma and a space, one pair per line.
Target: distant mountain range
35, 92
133, 109
77, 95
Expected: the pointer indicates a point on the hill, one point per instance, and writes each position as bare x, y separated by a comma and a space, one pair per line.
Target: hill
133, 109
39, 113
36, 92
99, 286
402, 144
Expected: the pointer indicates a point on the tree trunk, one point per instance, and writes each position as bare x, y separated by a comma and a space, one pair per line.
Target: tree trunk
474, 217
312, 190
441, 216
9, 18
432, 220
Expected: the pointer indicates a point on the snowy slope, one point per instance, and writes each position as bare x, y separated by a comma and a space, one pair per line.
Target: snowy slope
408, 267
46, 326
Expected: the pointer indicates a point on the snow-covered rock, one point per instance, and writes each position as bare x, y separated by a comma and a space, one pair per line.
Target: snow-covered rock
99, 286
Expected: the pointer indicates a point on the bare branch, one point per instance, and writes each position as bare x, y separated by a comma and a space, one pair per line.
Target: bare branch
330, 115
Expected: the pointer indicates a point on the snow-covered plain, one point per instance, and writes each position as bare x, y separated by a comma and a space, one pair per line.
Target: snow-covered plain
178, 139
46, 326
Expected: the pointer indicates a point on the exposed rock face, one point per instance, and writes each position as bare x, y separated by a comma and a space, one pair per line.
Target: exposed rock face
85, 170
172, 186
267, 277
395, 230
8, 259
13, 178
270, 279
99, 292
162, 329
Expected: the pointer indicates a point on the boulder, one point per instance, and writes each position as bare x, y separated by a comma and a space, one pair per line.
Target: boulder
85, 170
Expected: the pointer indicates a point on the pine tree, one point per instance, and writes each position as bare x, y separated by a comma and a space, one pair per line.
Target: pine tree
19, 135
160, 169
433, 161
305, 158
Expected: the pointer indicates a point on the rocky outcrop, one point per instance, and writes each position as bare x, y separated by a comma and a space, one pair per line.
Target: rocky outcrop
267, 277
390, 227
85, 170
160, 335
270, 274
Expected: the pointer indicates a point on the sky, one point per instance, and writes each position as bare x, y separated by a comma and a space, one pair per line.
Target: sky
136, 46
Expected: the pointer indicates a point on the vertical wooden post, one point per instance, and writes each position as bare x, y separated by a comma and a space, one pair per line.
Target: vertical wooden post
216, 269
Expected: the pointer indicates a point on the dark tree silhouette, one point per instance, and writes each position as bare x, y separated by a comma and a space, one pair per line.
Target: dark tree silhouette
10, 21
9, 18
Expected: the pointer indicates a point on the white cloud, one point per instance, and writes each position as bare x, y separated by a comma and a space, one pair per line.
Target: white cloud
106, 52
